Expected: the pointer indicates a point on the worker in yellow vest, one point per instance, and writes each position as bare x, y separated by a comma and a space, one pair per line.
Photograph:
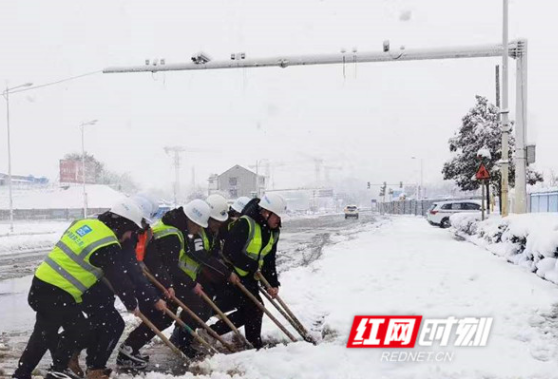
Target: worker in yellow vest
212, 273
235, 211
250, 247
168, 258
88, 251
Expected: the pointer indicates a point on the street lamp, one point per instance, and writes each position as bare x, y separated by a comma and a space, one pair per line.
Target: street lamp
419, 192
82, 126
6, 95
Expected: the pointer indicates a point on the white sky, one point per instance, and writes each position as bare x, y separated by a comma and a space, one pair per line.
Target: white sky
370, 122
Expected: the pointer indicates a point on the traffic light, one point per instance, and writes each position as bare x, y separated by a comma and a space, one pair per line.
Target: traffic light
400, 184
383, 189
368, 185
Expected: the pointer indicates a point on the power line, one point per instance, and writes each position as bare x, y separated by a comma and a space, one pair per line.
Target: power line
58, 81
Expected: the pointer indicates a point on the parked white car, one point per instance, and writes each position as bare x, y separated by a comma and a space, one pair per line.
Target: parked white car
440, 212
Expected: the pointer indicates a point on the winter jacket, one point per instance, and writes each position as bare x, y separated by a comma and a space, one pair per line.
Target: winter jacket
238, 237
162, 255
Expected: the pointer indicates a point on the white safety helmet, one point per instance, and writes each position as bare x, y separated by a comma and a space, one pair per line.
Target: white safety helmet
198, 211
153, 201
128, 209
145, 205
219, 207
240, 203
275, 203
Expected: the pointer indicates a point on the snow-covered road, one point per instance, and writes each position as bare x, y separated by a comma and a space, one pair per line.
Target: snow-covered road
397, 266
406, 267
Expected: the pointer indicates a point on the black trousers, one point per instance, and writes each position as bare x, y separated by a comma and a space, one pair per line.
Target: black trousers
182, 338
247, 313
105, 323
55, 309
141, 335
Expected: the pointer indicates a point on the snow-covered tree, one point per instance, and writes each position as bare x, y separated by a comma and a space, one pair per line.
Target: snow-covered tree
480, 131
90, 160
120, 182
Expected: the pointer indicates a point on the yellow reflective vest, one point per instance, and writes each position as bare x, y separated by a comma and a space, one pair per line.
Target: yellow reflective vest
185, 262
253, 247
67, 266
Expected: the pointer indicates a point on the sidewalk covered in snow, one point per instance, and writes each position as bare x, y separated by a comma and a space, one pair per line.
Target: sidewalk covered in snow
406, 267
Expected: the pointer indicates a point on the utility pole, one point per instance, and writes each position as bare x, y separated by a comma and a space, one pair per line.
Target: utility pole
505, 115
6, 95
83, 171
421, 186
11, 201
520, 203
175, 151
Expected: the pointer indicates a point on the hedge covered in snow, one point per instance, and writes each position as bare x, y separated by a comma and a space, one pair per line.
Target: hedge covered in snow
529, 240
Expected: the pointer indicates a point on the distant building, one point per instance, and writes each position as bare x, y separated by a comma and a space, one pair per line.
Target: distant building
22, 180
237, 181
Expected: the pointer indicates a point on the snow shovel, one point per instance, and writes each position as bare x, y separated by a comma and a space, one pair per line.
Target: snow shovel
268, 313
155, 330
162, 337
300, 327
226, 320
189, 311
306, 337
192, 332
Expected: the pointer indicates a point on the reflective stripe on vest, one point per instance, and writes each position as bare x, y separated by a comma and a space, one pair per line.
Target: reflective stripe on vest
185, 263
206, 243
67, 266
253, 248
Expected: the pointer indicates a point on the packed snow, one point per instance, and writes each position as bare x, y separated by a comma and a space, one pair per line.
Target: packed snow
29, 236
405, 267
71, 197
398, 266
530, 240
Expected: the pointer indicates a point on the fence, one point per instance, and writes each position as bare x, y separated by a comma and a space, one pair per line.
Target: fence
543, 202
48, 214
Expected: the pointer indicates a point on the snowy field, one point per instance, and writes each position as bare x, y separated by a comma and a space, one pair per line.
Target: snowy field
394, 266
30, 235
98, 196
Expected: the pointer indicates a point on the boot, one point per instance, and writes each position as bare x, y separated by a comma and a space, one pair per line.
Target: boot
97, 374
61, 374
128, 359
74, 365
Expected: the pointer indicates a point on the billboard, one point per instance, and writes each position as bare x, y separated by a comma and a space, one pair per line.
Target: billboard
71, 171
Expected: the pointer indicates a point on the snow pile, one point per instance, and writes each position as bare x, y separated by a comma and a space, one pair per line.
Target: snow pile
529, 240
404, 267
30, 236
542, 189
98, 196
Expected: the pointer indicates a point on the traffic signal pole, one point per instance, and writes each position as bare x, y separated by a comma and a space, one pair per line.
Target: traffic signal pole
515, 49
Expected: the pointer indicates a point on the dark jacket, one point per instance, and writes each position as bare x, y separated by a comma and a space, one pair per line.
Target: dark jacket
214, 269
143, 288
110, 260
237, 239
162, 255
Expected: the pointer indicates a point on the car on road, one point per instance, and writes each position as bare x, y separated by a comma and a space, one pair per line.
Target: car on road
351, 211
440, 212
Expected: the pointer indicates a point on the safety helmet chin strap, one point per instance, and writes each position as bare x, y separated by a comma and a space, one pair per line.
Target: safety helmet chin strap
265, 214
